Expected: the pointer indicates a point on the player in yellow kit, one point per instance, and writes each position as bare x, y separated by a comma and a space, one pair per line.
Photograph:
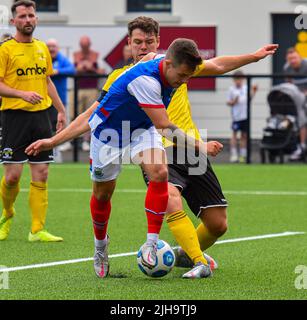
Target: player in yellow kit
203, 193
26, 90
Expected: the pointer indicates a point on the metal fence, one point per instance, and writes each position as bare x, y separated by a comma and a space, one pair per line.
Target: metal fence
275, 78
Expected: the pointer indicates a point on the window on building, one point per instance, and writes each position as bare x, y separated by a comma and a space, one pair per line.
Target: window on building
149, 5
46, 5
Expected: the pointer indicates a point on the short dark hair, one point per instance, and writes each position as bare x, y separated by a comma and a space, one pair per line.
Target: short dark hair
146, 24
184, 51
26, 3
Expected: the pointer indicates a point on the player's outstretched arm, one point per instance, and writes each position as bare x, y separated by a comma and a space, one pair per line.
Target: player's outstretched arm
223, 64
75, 129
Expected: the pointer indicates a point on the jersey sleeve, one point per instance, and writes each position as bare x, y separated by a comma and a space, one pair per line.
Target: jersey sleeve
113, 76
3, 61
147, 91
101, 96
199, 68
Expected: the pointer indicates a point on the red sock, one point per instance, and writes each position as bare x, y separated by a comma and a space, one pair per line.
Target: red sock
100, 211
155, 205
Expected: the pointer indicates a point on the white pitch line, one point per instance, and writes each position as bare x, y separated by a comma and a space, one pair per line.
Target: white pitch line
265, 236
87, 166
231, 192
268, 193
58, 263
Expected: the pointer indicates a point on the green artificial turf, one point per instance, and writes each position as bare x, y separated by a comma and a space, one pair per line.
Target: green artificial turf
255, 269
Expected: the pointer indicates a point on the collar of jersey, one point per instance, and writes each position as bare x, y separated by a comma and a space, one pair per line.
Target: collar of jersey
22, 42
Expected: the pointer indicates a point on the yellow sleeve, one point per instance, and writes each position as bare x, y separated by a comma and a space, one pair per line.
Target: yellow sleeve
113, 76
199, 68
3, 61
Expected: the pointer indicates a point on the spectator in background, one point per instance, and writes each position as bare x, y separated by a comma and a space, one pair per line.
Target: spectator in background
126, 59
237, 100
61, 65
295, 65
86, 62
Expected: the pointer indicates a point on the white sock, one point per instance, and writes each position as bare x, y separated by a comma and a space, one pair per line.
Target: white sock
152, 238
101, 243
233, 152
243, 152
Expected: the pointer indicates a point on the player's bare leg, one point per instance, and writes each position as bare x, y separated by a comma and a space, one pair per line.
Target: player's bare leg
233, 147
243, 145
213, 226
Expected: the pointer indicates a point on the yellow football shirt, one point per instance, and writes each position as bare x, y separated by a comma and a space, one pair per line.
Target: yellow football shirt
179, 112
179, 109
25, 66
113, 76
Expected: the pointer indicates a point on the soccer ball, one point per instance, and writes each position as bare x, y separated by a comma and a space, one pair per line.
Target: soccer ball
165, 261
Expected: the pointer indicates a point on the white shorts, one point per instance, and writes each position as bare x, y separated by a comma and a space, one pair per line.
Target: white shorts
106, 160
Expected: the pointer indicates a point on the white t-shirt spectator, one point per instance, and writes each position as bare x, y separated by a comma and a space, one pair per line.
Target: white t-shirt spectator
239, 110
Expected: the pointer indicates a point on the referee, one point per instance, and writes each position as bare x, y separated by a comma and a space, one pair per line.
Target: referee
27, 93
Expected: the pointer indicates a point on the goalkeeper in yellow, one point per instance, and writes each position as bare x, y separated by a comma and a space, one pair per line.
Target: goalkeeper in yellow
27, 91
203, 192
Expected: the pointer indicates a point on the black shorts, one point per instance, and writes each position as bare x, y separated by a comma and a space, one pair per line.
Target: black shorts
21, 128
240, 126
200, 191
53, 115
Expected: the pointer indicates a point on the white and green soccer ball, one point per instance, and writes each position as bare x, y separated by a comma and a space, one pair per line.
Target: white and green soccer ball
165, 261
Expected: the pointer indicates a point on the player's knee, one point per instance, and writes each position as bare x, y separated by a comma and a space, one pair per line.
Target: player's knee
219, 228
159, 174
103, 195
174, 200
42, 175
12, 178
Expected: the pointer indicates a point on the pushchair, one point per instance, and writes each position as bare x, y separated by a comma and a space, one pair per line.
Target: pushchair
280, 136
